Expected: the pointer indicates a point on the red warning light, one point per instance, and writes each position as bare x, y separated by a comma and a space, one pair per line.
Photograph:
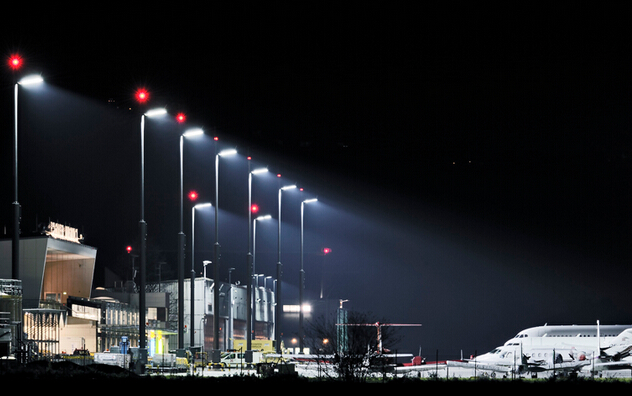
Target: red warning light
15, 61
142, 95
193, 195
326, 250
181, 117
129, 249
254, 208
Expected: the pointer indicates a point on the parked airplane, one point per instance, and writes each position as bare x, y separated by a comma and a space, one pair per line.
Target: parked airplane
561, 348
517, 359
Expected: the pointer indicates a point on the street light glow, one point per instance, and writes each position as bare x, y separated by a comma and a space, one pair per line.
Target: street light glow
227, 152
258, 171
202, 205
30, 80
310, 200
193, 132
288, 187
156, 112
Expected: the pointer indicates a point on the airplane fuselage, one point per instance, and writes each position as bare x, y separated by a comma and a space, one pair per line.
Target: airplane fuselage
567, 336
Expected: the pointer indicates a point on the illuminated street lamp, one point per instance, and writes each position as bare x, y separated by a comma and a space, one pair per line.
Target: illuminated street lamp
216, 356
15, 63
249, 261
182, 241
302, 280
278, 311
143, 235
198, 206
251, 328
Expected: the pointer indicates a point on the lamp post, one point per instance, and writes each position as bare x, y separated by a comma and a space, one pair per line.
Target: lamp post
249, 262
252, 269
278, 310
302, 281
15, 246
181, 244
230, 326
223, 153
205, 262
198, 206
143, 235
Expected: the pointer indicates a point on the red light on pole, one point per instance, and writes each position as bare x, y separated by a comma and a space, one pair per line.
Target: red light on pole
129, 249
193, 195
15, 61
181, 117
142, 95
326, 250
254, 208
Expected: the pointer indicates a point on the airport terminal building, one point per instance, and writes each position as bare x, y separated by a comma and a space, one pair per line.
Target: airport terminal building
53, 309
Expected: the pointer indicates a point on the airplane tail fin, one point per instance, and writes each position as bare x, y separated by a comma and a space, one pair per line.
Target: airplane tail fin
619, 347
625, 337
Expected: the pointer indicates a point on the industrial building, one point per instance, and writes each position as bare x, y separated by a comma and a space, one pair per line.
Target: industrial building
53, 308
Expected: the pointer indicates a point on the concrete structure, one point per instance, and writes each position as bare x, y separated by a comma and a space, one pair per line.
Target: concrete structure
51, 269
232, 312
53, 266
55, 305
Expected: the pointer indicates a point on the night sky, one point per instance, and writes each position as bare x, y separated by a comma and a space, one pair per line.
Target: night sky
472, 165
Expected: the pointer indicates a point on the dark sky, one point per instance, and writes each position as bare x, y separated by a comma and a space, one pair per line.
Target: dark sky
472, 164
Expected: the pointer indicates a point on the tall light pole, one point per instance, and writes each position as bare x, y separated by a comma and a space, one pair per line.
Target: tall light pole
205, 262
15, 246
223, 153
143, 235
227, 343
252, 316
278, 310
249, 307
198, 206
182, 240
302, 281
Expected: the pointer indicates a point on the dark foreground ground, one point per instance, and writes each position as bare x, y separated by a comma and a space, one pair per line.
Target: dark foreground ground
60, 376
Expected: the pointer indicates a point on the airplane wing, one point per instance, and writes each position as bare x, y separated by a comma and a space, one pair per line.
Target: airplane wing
618, 351
621, 365
419, 368
569, 367
522, 368
479, 366
600, 364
